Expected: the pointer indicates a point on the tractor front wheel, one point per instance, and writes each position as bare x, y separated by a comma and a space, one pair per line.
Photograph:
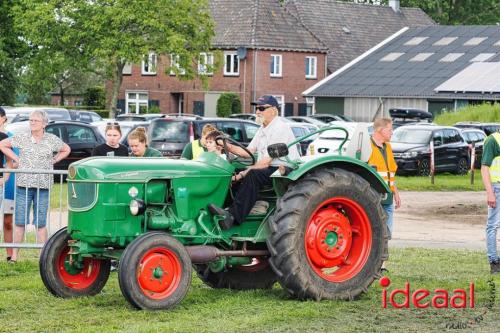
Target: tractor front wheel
63, 276
154, 272
328, 236
257, 275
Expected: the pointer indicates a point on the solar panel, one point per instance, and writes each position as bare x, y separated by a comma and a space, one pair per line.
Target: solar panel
478, 77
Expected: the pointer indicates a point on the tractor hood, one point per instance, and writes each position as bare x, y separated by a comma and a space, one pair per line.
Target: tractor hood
135, 169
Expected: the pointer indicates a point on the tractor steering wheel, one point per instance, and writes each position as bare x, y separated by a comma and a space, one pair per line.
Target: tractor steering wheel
237, 158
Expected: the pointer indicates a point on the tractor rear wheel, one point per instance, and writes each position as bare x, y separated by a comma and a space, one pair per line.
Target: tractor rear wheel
328, 236
154, 272
257, 275
66, 278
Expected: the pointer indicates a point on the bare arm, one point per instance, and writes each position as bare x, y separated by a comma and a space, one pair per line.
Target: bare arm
62, 154
397, 198
6, 148
238, 150
490, 195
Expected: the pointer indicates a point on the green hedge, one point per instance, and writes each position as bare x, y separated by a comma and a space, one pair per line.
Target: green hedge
227, 104
484, 113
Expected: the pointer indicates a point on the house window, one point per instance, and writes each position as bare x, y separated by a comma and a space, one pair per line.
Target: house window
391, 56
137, 102
281, 101
275, 65
311, 70
415, 41
451, 57
127, 69
482, 57
445, 41
231, 66
206, 63
149, 64
174, 62
421, 57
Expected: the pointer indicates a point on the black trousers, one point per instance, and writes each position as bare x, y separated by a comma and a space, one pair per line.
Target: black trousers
246, 196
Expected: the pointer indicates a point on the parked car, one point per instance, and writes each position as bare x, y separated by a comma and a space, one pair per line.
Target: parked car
81, 137
328, 142
18, 114
139, 116
302, 129
411, 148
487, 128
475, 138
170, 134
308, 120
244, 116
409, 116
84, 116
325, 117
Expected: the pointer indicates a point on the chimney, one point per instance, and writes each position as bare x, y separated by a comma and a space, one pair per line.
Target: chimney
394, 4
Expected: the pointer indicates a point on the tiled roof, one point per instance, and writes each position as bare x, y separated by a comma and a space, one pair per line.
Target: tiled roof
452, 49
260, 24
350, 29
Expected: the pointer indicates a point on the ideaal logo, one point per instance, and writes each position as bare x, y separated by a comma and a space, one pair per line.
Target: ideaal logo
424, 298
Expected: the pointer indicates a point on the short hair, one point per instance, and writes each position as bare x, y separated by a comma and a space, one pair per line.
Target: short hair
213, 135
380, 123
42, 114
113, 126
138, 134
207, 129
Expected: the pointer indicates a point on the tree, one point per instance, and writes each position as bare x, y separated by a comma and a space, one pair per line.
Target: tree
110, 34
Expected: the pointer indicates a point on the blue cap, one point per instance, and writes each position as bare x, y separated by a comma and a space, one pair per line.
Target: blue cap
266, 100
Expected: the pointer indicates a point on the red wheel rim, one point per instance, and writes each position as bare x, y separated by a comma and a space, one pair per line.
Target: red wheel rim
74, 277
256, 265
159, 273
338, 239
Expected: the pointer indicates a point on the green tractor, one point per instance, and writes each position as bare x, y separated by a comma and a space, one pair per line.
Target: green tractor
323, 237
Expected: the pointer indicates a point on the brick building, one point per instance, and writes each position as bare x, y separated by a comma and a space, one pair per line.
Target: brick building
265, 51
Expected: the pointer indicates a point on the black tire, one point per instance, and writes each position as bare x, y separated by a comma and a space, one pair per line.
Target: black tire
424, 168
64, 280
327, 204
149, 254
257, 276
462, 166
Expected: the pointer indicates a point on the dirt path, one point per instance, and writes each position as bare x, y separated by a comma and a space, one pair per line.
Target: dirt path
441, 220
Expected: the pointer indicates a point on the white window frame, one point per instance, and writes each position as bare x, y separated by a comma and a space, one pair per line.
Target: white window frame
311, 67
281, 100
137, 101
149, 64
174, 62
232, 72
205, 59
276, 65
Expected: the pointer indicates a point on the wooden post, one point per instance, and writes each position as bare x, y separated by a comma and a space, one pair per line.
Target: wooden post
472, 162
431, 147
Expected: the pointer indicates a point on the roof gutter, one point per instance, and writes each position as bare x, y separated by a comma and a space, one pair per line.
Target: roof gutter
352, 62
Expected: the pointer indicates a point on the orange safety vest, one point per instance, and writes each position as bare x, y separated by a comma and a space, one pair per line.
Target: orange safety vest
386, 170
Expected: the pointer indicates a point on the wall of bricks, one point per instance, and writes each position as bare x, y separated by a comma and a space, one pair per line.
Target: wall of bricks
250, 83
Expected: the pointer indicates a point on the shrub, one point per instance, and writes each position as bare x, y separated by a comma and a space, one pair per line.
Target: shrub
154, 109
227, 104
95, 97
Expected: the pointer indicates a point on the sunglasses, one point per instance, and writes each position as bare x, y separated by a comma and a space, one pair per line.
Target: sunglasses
262, 108
113, 124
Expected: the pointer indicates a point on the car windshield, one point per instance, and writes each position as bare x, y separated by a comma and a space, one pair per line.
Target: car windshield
170, 131
403, 135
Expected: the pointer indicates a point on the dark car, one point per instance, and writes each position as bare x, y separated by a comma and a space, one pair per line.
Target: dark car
409, 116
82, 138
169, 135
411, 147
475, 138
487, 128
325, 117
300, 130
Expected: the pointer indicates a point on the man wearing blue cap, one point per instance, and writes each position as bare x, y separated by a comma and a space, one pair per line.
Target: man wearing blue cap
273, 130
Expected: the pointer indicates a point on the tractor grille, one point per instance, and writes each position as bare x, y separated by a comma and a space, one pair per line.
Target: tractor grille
81, 196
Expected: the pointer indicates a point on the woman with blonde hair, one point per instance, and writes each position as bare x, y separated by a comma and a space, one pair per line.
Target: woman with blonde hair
138, 143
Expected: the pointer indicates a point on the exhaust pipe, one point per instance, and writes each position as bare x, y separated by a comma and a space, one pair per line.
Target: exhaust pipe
202, 254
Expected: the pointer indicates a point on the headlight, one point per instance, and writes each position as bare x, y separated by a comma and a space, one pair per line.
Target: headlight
409, 154
137, 207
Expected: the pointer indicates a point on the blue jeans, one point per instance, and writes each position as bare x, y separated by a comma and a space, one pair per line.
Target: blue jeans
389, 209
40, 200
492, 225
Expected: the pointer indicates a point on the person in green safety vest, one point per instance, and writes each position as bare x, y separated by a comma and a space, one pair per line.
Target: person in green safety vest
194, 149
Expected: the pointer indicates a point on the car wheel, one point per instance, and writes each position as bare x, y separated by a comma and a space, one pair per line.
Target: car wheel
462, 166
423, 168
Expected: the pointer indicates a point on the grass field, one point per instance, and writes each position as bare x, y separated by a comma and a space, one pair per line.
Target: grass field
26, 306
484, 113
442, 182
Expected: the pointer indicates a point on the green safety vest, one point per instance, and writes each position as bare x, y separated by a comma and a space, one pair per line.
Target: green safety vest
495, 165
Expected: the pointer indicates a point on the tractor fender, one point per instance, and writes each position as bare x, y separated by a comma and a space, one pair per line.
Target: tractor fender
309, 163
